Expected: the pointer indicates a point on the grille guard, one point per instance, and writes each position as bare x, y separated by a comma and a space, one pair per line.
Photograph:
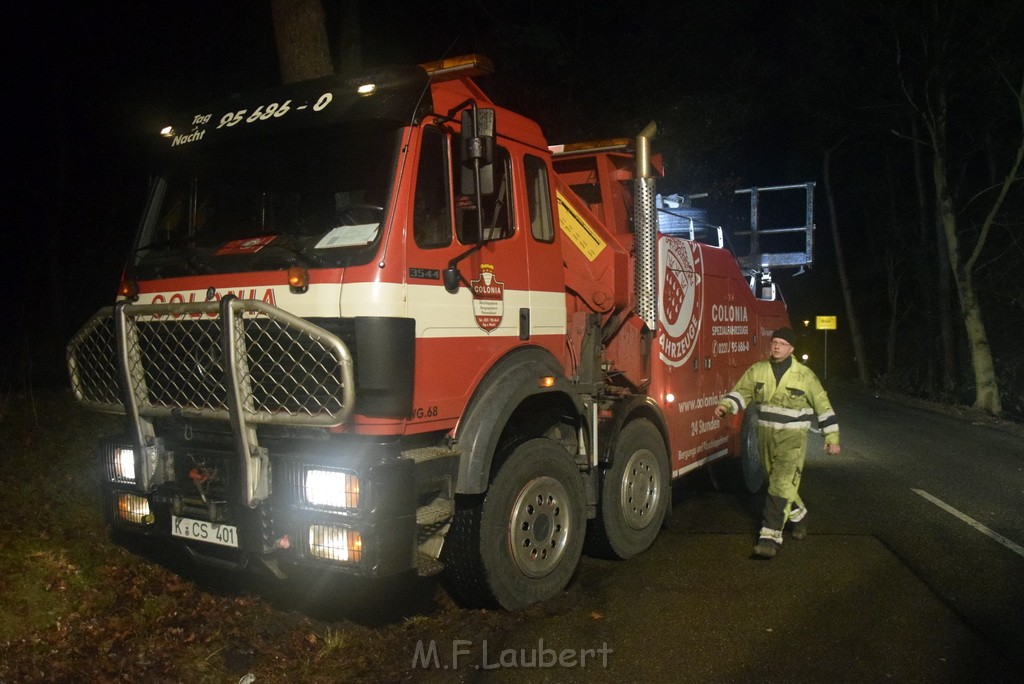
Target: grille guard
239, 360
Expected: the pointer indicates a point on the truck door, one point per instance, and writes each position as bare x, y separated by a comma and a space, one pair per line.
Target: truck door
460, 334
544, 321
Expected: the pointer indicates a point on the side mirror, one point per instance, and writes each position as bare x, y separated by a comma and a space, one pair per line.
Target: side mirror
478, 145
452, 278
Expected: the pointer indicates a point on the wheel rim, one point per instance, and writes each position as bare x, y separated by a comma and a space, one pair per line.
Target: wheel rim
540, 524
640, 491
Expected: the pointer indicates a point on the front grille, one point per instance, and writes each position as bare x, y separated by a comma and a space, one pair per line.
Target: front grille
92, 360
182, 363
285, 370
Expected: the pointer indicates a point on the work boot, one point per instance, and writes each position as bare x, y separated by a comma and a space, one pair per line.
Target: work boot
799, 529
766, 548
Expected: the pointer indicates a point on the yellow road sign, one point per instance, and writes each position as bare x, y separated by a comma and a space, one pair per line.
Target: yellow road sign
825, 323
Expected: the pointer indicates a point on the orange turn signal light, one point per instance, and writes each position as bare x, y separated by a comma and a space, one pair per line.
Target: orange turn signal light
298, 279
463, 66
128, 288
547, 381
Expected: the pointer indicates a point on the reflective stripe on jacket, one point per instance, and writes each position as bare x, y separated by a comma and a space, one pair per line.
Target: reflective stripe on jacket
788, 405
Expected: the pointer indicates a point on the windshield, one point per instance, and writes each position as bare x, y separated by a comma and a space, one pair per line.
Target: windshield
313, 197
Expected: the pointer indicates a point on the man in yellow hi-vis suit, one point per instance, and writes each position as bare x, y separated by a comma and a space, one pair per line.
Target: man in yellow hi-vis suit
788, 395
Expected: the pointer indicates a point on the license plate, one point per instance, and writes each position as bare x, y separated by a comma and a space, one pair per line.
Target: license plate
201, 530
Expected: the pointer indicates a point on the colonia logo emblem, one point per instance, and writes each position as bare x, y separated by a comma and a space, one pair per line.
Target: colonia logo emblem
488, 299
681, 284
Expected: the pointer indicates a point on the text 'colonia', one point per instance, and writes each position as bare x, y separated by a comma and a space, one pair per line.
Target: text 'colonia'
242, 293
724, 312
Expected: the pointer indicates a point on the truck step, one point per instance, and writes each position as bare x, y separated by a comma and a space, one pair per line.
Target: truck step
427, 566
424, 454
437, 511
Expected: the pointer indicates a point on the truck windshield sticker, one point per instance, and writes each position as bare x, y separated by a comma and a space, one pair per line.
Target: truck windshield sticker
582, 235
245, 245
682, 299
488, 299
349, 236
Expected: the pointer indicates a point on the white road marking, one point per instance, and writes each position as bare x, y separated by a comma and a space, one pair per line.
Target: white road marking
1017, 549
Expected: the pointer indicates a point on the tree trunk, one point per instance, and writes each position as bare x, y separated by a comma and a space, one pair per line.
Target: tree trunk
933, 283
860, 357
893, 280
894, 320
894, 261
986, 395
300, 30
985, 381
944, 298
350, 42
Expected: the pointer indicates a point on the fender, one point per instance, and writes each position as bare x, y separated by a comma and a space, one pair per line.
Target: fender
622, 413
510, 381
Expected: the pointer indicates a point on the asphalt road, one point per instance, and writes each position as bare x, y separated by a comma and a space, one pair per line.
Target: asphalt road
913, 572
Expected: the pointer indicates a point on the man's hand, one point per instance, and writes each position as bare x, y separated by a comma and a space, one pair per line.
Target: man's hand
721, 411
831, 449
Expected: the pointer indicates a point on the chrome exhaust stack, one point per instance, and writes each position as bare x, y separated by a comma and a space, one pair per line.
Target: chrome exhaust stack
645, 226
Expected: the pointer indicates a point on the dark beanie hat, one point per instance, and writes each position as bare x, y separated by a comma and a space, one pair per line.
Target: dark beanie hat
785, 334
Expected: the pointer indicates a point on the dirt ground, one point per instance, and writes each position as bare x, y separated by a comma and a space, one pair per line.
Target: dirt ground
75, 606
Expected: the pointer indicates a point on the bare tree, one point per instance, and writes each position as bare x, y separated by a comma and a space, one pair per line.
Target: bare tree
931, 100
896, 252
894, 282
859, 351
349, 51
934, 293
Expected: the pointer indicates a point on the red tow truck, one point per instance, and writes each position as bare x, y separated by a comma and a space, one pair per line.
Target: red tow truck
374, 324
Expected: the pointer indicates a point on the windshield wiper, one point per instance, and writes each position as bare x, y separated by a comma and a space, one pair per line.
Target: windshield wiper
296, 249
185, 248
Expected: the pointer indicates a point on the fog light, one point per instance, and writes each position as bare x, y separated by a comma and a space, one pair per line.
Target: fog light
331, 488
134, 508
122, 466
335, 544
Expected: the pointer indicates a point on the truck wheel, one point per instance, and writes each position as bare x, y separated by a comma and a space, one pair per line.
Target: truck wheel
743, 472
521, 542
635, 493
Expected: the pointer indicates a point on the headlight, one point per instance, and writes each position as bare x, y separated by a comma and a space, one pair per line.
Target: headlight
122, 465
331, 488
134, 508
335, 543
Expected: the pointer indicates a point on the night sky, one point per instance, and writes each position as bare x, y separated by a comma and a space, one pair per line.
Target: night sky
728, 83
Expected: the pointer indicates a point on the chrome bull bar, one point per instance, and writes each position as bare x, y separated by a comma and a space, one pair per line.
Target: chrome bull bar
239, 360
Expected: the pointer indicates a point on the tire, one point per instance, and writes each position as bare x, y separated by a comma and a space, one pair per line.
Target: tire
520, 542
635, 494
750, 453
744, 471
